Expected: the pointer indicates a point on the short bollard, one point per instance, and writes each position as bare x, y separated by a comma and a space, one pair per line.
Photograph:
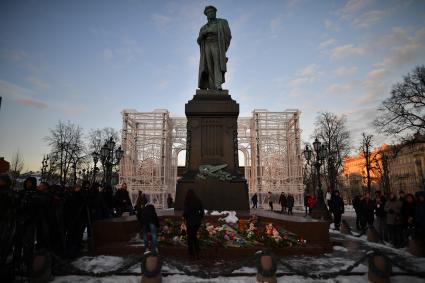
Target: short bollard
372, 235
41, 271
151, 268
416, 246
380, 269
266, 267
345, 228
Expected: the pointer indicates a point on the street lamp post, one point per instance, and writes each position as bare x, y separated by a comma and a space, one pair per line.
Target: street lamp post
320, 211
95, 156
109, 156
44, 165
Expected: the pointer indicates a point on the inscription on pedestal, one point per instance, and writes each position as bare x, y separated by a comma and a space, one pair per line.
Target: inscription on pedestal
212, 139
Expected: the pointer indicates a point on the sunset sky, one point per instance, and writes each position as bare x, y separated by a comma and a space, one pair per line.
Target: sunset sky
86, 61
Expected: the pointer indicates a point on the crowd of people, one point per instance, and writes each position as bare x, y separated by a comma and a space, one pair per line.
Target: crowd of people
286, 202
53, 218
396, 217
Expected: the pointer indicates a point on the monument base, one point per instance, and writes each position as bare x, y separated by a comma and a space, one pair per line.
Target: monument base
215, 194
114, 236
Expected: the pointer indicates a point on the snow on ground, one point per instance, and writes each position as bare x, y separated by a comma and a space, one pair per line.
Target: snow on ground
346, 251
339, 248
98, 264
241, 279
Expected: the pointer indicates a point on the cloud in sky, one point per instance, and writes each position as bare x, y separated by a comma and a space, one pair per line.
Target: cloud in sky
15, 55
327, 43
346, 71
369, 18
331, 25
354, 6
32, 103
377, 73
342, 88
38, 83
161, 20
346, 50
305, 75
21, 95
407, 49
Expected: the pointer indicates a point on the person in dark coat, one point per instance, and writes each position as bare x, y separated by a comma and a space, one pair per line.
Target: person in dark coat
193, 213
306, 196
7, 225
254, 200
22, 219
149, 223
99, 207
170, 202
381, 216
408, 211
77, 220
56, 218
283, 202
122, 201
336, 207
290, 203
35, 204
140, 202
108, 198
420, 214
270, 200
393, 209
367, 210
357, 209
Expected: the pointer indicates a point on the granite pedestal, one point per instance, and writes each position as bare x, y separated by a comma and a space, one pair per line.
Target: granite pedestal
212, 139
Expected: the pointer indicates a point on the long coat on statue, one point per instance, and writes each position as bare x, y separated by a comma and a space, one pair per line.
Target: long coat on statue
224, 36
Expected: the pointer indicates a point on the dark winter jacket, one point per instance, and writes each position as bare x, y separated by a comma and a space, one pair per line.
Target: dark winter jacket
254, 198
367, 208
283, 200
290, 201
408, 211
122, 200
336, 205
170, 202
380, 208
7, 204
420, 215
357, 202
193, 212
148, 216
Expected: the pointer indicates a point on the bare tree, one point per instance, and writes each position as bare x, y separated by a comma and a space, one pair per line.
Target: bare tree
67, 148
16, 167
98, 137
403, 113
371, 159
383, 168
331, 130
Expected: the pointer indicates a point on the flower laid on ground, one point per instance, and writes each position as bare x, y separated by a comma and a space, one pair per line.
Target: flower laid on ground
243, 233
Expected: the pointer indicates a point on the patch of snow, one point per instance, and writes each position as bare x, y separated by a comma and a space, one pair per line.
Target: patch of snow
215, 212
245, 269
230, 218
339, 248
98, 264
239, 279
87, 279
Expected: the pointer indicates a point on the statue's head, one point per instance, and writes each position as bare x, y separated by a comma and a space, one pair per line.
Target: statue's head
210, 12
